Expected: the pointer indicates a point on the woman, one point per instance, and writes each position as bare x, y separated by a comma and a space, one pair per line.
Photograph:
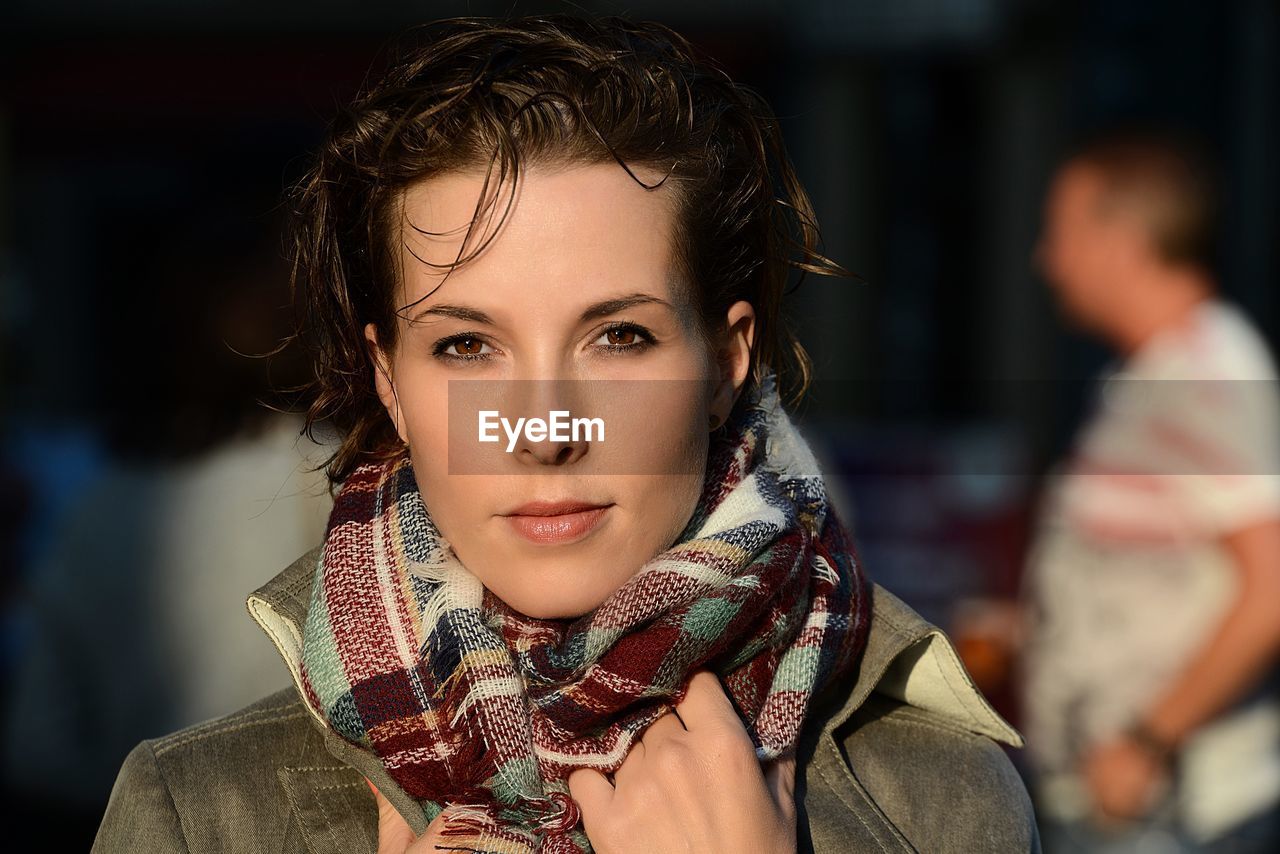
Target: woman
650, 634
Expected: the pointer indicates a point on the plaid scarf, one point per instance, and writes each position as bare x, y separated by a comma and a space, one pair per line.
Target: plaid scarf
474, 707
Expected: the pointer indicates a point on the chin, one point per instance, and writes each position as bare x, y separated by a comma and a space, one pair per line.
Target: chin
556, 584
555, 613
554, 600
541, 609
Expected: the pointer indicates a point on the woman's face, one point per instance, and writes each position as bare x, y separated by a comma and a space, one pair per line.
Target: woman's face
575, 306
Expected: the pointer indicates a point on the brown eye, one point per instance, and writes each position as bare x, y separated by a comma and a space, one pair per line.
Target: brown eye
625, 338
616, 334
462, 349
469, 346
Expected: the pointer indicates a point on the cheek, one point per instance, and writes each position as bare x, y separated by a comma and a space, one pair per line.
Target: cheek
657, 428
423, 405
679, 463
1096, 266
690, 448
1073, 259
426, 424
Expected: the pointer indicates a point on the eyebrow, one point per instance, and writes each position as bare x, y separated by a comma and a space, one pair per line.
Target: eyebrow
604, 308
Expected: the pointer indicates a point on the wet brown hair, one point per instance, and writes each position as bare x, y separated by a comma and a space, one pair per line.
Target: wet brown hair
492, 94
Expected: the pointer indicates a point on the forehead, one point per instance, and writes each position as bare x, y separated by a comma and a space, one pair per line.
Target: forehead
585, 224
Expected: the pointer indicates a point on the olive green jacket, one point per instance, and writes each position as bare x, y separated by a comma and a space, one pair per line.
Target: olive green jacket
901, 758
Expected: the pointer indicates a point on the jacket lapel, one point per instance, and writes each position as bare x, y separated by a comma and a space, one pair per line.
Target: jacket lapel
835, 812
333, 808
906, 658
913, 661
280, 608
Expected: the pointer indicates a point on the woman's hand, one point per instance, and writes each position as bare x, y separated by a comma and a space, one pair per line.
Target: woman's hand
395, 836
691, 783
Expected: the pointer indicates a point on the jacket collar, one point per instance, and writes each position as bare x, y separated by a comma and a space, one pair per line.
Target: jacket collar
905, 657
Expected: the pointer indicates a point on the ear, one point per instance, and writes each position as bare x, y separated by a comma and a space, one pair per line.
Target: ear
384, 382
733, 357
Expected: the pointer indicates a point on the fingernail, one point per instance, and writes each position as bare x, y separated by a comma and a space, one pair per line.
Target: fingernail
372, 788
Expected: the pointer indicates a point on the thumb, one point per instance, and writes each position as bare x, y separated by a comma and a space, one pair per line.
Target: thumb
394, 834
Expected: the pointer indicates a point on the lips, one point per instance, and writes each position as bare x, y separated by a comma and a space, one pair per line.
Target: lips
556, 522
554, 508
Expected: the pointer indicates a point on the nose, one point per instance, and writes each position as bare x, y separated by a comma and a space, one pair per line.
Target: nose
549, 437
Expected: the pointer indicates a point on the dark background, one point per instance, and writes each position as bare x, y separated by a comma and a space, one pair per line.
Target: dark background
144, 152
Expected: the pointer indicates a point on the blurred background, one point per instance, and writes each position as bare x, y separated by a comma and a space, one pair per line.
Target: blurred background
145, 490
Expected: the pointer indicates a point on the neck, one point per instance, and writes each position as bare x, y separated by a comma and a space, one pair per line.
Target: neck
1164, 300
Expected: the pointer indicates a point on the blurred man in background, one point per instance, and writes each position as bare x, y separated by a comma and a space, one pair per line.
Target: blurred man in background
1153, 588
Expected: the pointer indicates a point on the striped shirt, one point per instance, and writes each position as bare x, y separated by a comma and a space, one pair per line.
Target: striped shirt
1128, 577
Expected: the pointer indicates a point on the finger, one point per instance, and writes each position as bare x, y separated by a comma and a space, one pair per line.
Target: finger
706, 704
432, 839
780, 774
780, 777
591, 790
394, 833
667, 726
633, 761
